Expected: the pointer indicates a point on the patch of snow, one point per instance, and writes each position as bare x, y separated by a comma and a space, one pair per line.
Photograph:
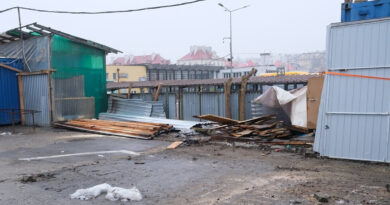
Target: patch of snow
112, 193
6, 133
117, 193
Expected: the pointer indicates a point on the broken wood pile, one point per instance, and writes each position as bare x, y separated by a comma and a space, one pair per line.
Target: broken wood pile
141, 130
264, 129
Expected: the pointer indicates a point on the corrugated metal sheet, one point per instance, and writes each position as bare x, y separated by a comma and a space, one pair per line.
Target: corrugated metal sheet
36, 51
36, 97
360, 44
9, 92
190, 106
354, 116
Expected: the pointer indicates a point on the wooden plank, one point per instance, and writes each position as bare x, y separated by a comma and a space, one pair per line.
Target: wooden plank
227, 89
298, 129
242, 133
10, 68
219, 119
101, 132
174, 145
157, 93
37, 72
21, 99
241, 103
314, 91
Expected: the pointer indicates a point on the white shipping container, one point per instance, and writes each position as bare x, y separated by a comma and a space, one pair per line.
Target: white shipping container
354, 116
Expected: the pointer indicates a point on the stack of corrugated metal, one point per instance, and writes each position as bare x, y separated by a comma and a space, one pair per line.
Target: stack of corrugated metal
136, 107
137, 110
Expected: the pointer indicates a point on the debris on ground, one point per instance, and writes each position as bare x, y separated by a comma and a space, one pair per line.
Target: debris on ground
36, 177
174, 145
324, 198
141, 130
112, 193
262, 130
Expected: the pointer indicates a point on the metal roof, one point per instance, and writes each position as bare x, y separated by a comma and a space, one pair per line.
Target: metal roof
34, 30
188, 83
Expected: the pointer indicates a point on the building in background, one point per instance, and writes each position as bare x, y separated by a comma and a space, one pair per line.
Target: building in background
201, 55
150, 72
143, 59
238, 72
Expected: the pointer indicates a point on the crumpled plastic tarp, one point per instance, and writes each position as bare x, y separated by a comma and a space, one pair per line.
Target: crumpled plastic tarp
292, 102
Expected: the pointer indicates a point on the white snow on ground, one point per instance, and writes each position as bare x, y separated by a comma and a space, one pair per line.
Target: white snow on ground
117, 193
112, 193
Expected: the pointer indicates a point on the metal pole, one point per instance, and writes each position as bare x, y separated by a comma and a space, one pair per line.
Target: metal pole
231, 47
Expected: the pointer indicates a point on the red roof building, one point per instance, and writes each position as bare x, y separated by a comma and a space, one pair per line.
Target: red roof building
201, 55
145, 59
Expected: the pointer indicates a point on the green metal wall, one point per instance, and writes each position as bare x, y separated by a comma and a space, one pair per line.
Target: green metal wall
73, 59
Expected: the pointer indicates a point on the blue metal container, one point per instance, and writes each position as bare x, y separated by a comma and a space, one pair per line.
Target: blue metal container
9, 92
365, 10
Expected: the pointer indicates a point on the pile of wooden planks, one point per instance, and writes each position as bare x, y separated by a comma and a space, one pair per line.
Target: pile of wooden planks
141, 130
264, 129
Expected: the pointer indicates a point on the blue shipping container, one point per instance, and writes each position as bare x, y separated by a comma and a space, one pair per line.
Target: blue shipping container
9, 92
365, 10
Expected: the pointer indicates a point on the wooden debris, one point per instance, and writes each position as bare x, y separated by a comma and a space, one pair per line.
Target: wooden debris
218, 119
264, 130
174, 145
242, 133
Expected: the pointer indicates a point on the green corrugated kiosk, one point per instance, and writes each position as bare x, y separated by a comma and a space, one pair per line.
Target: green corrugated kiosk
75, 69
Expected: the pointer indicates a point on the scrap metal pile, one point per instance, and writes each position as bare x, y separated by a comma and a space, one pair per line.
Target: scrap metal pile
140, 130
264, 130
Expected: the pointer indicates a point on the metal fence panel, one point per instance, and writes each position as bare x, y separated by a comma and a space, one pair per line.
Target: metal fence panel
190, 106
234, 105
358, 44
36, 97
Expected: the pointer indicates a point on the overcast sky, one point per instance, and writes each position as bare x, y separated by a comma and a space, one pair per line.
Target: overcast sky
283, 26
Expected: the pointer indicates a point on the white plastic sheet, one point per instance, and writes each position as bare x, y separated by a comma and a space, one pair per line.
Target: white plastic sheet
292, 102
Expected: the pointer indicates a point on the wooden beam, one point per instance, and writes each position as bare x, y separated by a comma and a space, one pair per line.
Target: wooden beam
36, 72
21, 99
10, 68
227, 87
241, 103
129, 90
157, 93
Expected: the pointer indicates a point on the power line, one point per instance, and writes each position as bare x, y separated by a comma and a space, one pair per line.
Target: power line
103, 12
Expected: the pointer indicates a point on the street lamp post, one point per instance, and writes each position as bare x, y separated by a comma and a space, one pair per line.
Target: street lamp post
231, 28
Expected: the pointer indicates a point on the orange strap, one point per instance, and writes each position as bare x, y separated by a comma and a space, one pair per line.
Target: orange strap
356, 76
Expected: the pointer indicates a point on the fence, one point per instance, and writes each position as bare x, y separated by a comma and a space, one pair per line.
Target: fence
184, 106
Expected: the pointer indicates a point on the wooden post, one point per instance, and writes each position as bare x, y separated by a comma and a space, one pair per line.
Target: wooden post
129, 90
117, 77
227, 87
157, 93
21, 99
241, 102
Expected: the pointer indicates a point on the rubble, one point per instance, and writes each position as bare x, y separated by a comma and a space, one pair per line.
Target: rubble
264, 130
140, 130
